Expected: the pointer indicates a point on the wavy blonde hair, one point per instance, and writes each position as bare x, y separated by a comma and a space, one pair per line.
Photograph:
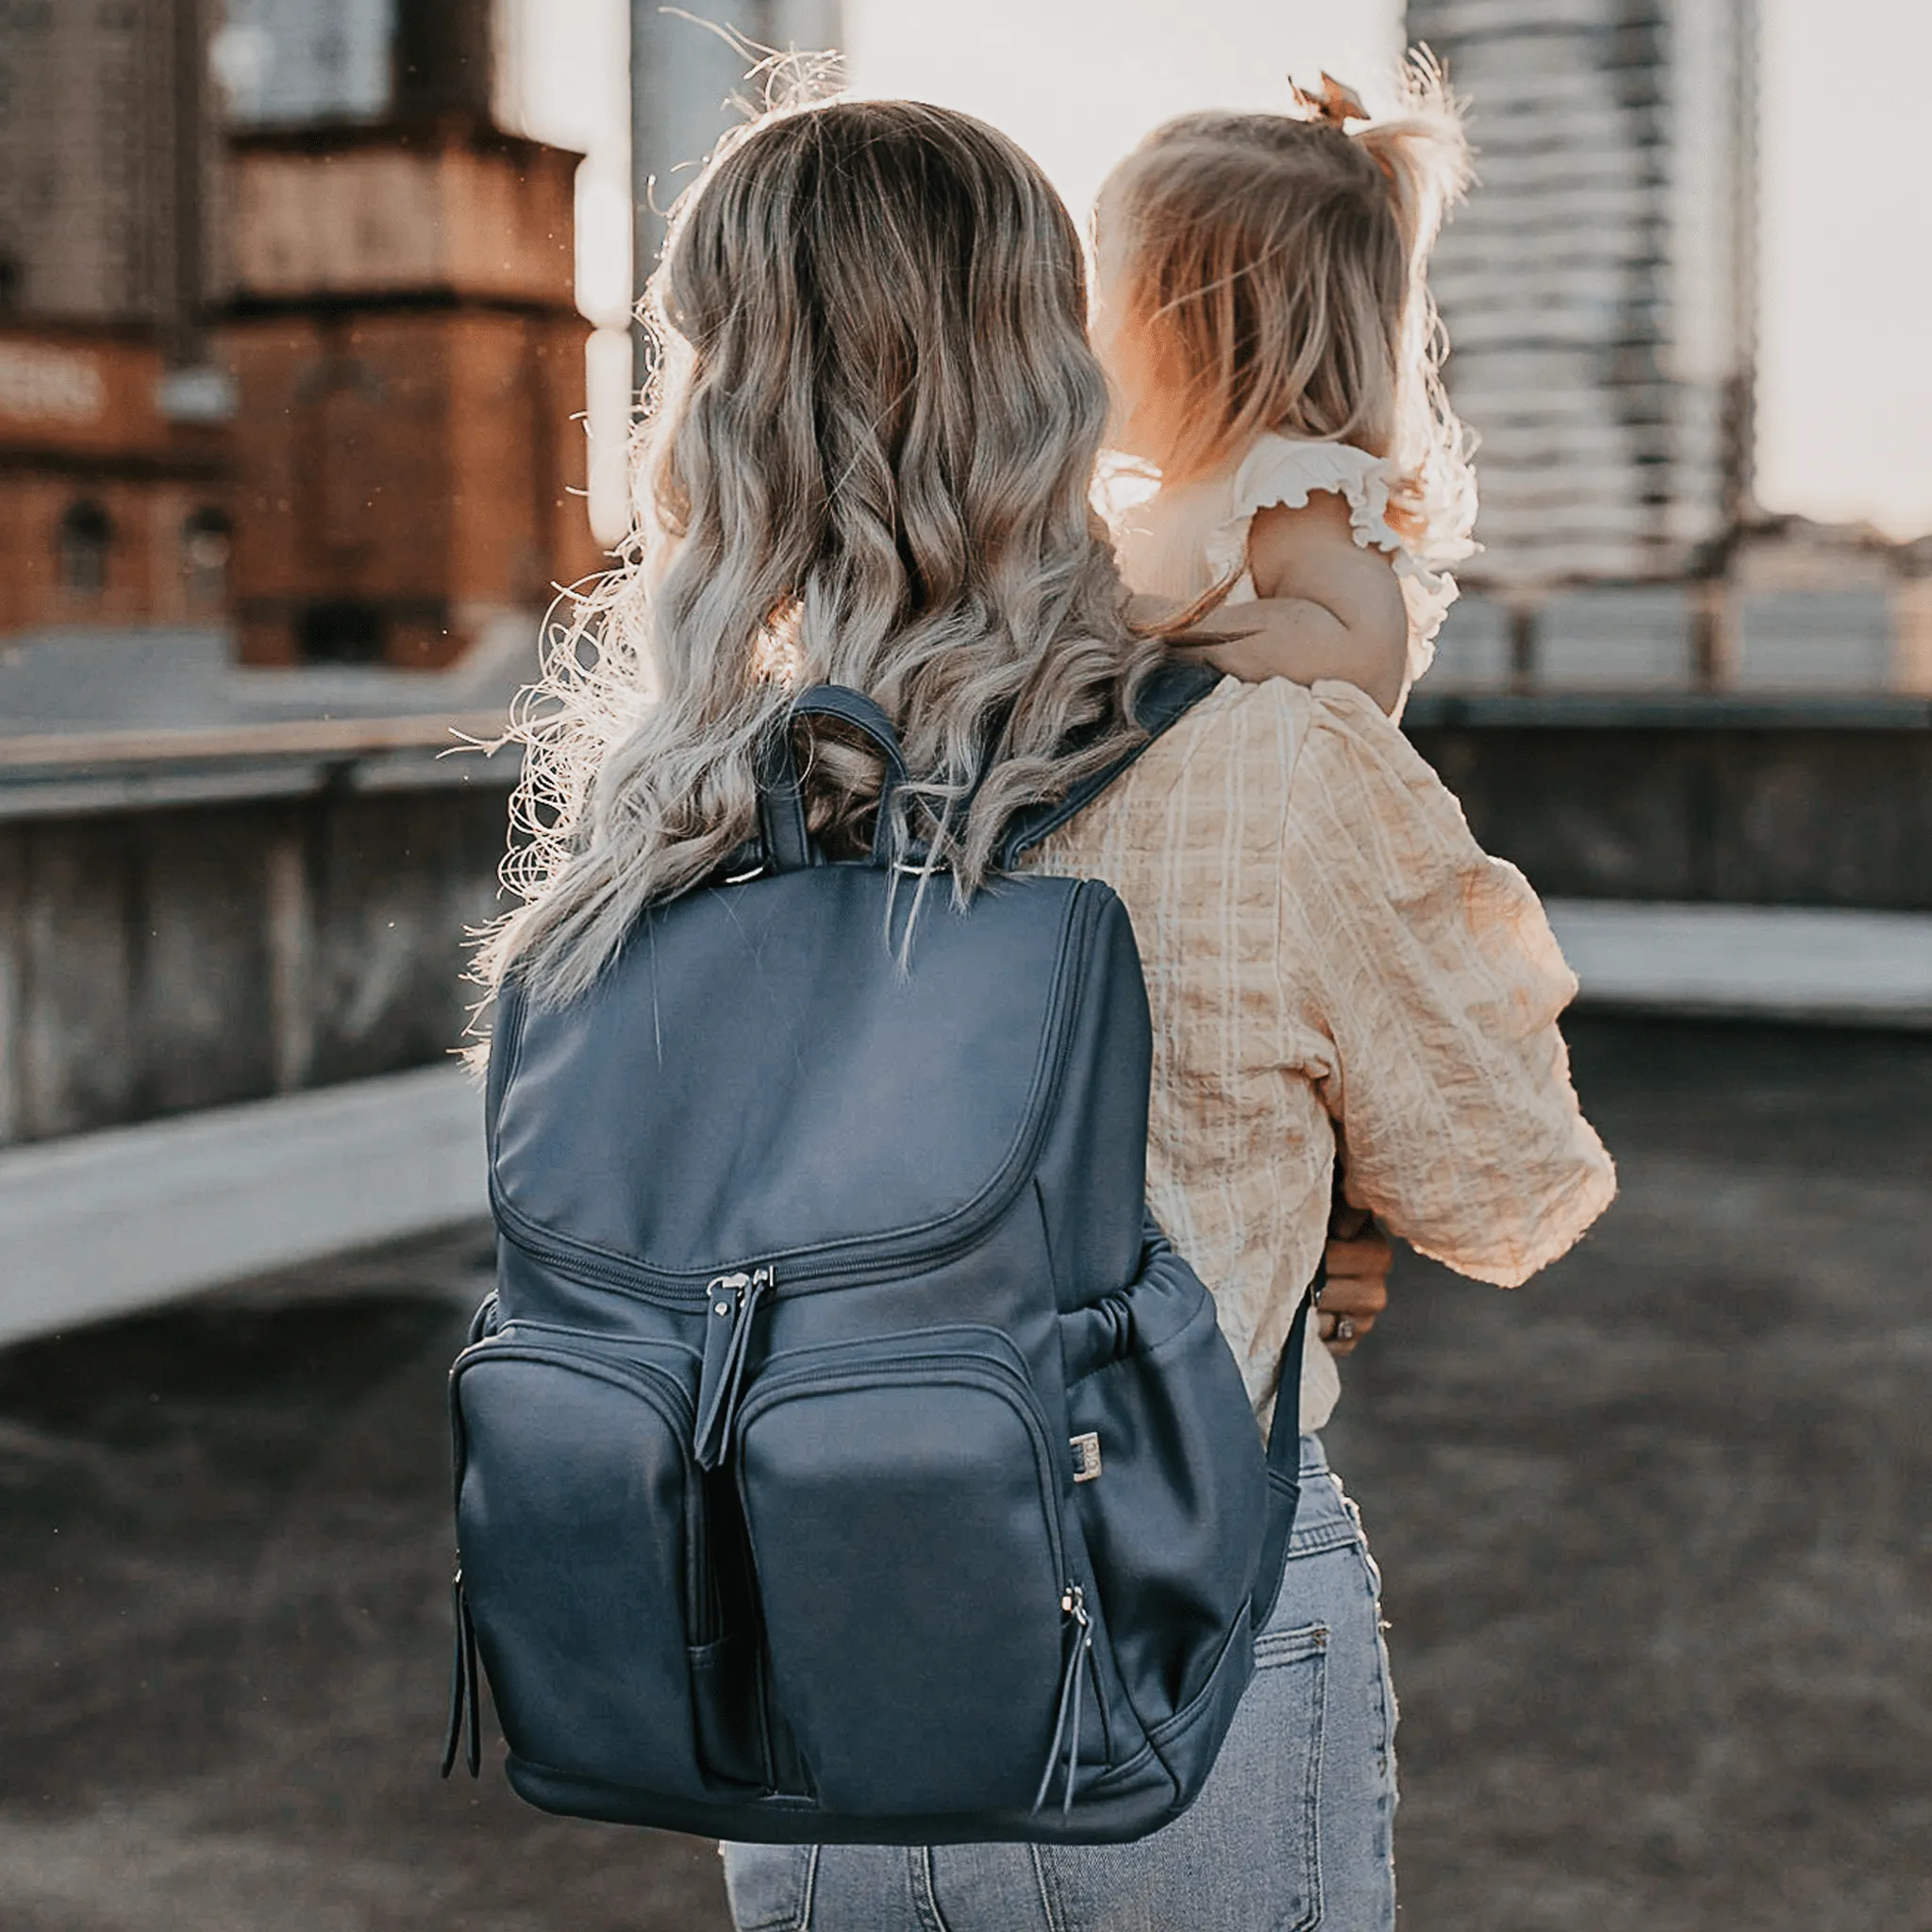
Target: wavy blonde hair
867, 459
1272, 271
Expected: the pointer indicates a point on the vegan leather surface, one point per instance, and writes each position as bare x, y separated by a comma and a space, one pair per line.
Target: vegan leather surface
844, 1456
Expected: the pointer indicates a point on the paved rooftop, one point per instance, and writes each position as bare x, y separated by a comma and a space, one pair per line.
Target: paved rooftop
1657, 1536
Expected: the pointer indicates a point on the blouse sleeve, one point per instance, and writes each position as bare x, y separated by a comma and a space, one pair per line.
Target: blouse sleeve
1429, 970
1284, 472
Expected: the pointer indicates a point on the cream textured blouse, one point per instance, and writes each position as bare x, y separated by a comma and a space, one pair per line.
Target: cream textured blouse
1332, 959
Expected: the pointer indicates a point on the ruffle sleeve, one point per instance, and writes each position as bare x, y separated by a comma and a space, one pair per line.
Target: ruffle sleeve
1286, 471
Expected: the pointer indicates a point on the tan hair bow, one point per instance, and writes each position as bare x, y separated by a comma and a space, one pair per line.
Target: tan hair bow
1336, 104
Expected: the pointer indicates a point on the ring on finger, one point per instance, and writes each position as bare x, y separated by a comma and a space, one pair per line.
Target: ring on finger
1344, 1329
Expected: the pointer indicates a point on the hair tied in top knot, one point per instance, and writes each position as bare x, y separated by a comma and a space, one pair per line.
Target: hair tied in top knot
1336, 104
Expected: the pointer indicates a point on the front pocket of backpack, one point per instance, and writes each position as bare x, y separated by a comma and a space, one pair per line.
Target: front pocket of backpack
580, 1518
902, 1508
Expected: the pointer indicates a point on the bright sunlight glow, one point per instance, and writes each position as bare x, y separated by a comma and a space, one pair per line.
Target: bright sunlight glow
1844, 406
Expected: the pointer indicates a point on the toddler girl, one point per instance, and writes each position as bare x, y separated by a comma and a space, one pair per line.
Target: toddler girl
1264, 314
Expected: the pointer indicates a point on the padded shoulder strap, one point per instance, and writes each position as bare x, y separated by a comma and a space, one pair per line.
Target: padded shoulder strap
1175, 690
1285, 1452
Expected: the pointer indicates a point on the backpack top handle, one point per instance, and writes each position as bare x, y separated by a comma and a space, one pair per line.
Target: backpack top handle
781, 801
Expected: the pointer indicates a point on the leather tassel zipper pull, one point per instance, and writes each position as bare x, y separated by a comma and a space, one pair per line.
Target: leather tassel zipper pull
475, 1678
463, 1690
731, 1300
1066, 1724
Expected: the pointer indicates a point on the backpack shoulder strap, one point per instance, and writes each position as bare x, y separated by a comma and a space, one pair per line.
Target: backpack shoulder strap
1285, 1452
1175, 690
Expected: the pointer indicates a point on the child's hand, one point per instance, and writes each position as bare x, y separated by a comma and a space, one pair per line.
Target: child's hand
1326, 608
1269, 650
1358, 1259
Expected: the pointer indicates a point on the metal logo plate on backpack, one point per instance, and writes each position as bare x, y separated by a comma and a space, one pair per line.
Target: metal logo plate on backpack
1085, 1455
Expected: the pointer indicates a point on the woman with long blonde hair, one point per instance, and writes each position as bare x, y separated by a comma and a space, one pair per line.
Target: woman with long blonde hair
869, 463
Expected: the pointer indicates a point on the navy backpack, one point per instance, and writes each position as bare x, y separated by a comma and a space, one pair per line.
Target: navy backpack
844, 1456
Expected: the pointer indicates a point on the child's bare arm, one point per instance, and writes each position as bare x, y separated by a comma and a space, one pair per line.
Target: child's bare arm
1326, 606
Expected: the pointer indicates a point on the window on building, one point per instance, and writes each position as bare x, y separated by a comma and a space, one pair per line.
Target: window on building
81, 549
206, 539
344, 631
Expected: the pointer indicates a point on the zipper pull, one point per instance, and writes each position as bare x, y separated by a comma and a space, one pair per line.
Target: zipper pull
723, 1297
462, 1684
1066, 1724
731, 1300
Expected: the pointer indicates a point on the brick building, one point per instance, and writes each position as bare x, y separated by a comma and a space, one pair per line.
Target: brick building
112, 497
113, 510
410, 369
341, 333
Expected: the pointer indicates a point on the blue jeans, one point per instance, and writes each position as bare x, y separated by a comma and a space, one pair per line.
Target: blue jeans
1294, 1830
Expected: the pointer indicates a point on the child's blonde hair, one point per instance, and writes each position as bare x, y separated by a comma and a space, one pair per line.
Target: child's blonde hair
1273, 269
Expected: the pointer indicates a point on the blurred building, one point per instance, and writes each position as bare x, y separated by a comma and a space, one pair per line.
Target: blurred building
1828, 607
411, 364
282, 61
1599, 289
113, 508
404, 330
272, 281
109, 163
113, 502
1600, 293
290, 62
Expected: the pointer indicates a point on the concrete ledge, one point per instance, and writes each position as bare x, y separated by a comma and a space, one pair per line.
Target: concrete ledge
56, 777
105, 1223
1774, 962
101, 1224
1435, 707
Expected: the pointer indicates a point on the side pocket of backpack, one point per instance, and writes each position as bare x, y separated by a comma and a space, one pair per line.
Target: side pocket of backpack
1172, 1489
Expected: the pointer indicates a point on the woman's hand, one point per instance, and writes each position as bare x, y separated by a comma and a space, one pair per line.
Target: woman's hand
1356, 1291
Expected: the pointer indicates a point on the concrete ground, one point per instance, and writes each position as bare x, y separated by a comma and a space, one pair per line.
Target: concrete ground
1657, 1531
1656, 1534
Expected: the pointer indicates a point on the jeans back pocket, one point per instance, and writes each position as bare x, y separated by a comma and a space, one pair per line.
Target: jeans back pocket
770, 1886
1246, 1854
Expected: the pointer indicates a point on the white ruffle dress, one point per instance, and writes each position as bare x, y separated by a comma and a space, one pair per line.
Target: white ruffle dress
1185, 538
